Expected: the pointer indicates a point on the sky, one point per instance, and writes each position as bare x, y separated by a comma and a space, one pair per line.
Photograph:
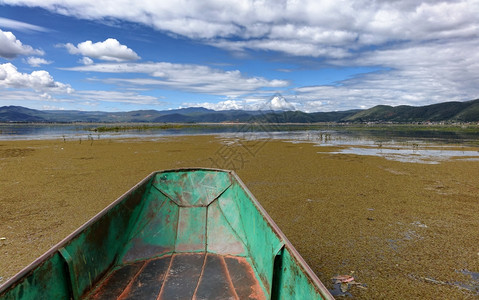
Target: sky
308, 55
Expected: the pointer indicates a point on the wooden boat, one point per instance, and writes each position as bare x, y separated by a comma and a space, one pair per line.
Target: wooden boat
178, 234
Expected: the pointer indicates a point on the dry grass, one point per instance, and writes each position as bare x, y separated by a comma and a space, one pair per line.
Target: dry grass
405, 229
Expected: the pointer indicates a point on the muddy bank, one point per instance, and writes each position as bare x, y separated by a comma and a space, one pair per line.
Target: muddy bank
402, 230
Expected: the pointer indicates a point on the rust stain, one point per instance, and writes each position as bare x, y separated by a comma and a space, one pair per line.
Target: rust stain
140, 251
228, 277
254, 288
130, 284
166, 276
199, 278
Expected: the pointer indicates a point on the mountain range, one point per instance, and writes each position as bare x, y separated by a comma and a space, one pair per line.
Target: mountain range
467, 111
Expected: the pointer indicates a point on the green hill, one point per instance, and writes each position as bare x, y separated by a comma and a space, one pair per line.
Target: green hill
442, 112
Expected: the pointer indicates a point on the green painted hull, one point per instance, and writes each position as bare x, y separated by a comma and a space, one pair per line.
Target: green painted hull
204, 221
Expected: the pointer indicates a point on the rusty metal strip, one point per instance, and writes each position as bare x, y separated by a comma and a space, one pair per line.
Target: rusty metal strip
114, 283
128, 287
201, 275
228, 277
206, 235
148, 282
166, 275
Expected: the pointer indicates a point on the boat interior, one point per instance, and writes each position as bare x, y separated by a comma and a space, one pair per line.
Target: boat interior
179, 234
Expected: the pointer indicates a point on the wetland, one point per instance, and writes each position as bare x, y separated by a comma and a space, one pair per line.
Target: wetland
396, 212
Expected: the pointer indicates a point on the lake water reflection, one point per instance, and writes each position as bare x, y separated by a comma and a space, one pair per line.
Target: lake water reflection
413, 147
404, 144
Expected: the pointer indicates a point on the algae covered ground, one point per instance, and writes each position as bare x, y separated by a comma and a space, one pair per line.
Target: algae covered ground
402, 230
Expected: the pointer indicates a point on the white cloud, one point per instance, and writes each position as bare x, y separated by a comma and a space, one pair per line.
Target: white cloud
40, 81
417, 75
116, 97
52, 107
46, 96
10, 47
277, 102
37, 61
271, 25
221, 105
186, 77
427, 49
80, 99
110, 50
291, 47
20, 26
85, 60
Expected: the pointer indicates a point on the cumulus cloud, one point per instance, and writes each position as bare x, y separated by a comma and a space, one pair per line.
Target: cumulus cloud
185, 77
416, 75
110, 50
37, 61
276, 102
318, 26
426, 50
11, 47
40, 81
221, 105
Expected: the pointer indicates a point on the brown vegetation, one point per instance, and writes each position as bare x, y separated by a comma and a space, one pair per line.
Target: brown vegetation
406, 230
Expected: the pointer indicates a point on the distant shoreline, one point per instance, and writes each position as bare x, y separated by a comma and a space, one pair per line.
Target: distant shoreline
377, 133
445, 112
319, 125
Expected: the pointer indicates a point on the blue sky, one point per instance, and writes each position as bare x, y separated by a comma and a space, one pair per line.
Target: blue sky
113, 55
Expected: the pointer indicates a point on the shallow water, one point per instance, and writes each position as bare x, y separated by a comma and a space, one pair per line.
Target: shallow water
413, 155
85, 131
404, 149
413, 146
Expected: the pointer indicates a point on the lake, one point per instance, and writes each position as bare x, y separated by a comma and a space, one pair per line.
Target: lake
407, 143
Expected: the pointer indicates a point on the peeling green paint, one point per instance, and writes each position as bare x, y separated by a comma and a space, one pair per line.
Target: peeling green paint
177, 211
